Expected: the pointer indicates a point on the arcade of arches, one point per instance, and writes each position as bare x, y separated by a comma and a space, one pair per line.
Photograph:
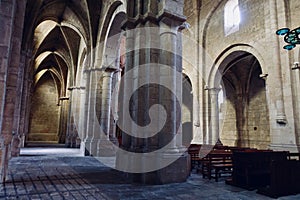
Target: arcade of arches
62, 63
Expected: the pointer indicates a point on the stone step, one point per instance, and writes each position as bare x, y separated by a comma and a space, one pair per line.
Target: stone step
43, 144
43, 137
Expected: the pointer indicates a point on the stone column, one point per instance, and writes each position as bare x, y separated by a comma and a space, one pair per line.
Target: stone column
75, 112
80, 105
104, 145
93, 136
84, 112
168, 46
90, 95
170, 51
106, 101
279, 102
17, 136
25, 107
69, 128
126, 139
198, 87
71, 133
214, 134
28, 106
64, 107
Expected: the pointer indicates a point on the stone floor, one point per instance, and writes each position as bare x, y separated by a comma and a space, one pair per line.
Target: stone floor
63, 174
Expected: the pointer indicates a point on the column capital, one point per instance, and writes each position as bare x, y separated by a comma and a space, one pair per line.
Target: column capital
105, 69
87, 70
171, 19
97, 69
213, 89
71, 88
64, 98
111, 69
76, 88
171, 11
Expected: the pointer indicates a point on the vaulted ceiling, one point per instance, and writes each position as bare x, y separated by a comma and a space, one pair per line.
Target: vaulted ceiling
57, 32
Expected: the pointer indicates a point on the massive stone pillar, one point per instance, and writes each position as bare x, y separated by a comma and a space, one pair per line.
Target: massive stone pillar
152, 78
11, 26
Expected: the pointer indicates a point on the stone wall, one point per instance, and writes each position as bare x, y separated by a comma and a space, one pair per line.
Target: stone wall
44, 117
271, 111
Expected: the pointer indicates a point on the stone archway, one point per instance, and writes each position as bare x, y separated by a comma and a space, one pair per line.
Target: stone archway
110, 75
245, 120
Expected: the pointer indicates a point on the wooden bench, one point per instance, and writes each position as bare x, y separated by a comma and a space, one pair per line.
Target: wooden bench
216, 164
218, 161
193, 151
221, 165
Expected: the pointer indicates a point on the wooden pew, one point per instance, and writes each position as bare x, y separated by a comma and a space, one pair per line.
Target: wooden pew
284, 179
293, 156
216, 164
193, 151
218, 161
221, 165
240, 149
252, 169
197, 152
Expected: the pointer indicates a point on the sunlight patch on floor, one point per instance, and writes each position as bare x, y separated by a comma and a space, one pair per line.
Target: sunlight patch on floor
47, 151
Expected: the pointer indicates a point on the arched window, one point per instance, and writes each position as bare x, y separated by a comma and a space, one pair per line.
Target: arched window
231, 17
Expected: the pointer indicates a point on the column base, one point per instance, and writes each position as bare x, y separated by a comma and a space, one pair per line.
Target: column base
78, 142
106, 148
83, 150
91, 147
171, 151
176, 172
94, 147
114, 140
68, 142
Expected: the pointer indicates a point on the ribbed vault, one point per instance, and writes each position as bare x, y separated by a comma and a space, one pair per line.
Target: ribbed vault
57, 32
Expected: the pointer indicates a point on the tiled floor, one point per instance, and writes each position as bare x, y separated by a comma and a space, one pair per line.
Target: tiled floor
63, 174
